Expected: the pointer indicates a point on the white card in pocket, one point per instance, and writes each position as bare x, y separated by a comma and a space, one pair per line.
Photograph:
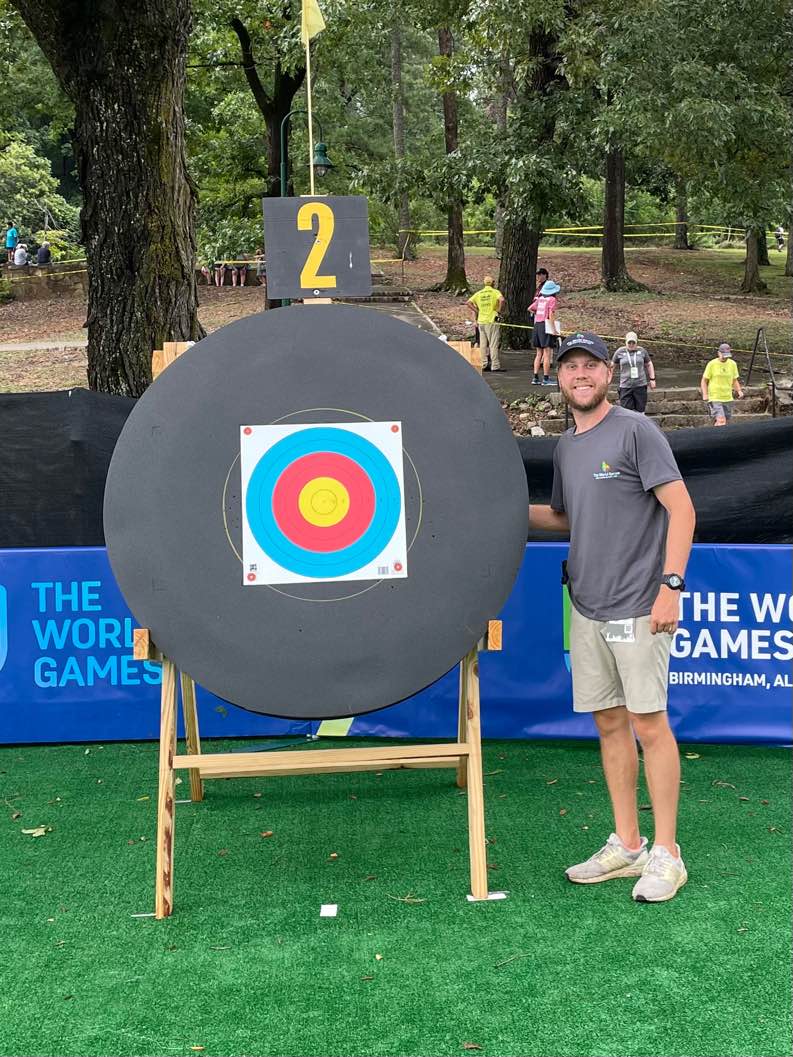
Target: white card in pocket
619, 630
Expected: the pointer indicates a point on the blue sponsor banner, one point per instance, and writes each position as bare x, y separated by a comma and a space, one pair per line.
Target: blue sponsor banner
67, 673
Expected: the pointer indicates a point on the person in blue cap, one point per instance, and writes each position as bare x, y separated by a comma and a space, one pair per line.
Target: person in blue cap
543, 336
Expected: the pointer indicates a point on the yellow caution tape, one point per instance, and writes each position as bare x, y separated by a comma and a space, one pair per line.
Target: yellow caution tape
585, 227
43, 275
646, 341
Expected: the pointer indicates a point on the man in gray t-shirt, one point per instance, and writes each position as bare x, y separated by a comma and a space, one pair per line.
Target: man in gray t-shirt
605, 477
618, 492
637, 371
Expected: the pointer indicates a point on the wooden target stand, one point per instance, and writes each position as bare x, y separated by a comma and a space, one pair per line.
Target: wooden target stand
465, 754
469, 352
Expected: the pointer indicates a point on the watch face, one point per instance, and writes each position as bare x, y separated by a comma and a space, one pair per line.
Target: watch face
674, 580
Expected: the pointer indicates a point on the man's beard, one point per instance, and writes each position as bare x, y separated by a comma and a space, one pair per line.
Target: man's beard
579, 402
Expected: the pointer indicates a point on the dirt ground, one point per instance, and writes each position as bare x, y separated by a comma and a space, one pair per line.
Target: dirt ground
59, 322
691, 300
690, 306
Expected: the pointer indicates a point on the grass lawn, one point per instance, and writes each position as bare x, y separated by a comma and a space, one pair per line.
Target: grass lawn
408, 967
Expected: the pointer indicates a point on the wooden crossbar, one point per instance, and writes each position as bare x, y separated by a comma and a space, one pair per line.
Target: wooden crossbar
245, 762
224, 765
320, 761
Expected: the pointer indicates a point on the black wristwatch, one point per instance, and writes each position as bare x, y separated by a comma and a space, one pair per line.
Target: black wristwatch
677, 583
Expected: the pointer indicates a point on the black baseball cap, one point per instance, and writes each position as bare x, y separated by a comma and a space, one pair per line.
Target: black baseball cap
587, 341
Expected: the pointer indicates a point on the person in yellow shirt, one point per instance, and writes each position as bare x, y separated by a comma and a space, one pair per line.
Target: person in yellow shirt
719, 383
486, 306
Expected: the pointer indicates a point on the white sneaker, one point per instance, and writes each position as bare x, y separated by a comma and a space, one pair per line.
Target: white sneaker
662, 877
613, 860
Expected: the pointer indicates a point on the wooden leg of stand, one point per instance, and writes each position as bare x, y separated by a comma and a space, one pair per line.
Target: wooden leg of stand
192, 736
163, 897
462, 724
476, 797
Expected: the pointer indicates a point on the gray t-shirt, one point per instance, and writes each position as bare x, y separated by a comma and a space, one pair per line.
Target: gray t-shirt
603, 480
626, 358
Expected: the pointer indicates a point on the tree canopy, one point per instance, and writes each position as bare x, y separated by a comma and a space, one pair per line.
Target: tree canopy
523, 115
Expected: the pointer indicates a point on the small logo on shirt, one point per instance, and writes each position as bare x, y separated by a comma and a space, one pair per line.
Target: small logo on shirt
606, 472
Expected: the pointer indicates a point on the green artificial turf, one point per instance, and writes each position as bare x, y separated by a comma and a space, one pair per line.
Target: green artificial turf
246, 966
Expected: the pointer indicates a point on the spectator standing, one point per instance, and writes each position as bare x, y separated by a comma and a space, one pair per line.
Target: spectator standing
44, 254
260, 266
543, 336
12, 237
21, 255
542, 277
719, 384
779, 235
637, 371
486, 306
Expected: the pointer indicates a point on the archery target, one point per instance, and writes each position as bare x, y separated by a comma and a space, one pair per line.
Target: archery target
316, 510
322, 502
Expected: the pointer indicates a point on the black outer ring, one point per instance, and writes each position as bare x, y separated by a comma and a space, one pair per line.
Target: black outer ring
315, 651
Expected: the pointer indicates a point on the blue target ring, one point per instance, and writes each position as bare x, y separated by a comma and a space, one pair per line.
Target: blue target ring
311, 563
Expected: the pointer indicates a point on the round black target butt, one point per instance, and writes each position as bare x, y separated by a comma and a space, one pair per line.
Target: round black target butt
350, 547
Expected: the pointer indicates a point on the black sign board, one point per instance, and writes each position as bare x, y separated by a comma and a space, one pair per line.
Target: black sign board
317, 247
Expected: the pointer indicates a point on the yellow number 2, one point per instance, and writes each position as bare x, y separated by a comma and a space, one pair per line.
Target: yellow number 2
309, 277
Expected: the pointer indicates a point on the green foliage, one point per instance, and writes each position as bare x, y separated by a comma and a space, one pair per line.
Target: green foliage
6, 292
228, 239
28, 189
32, 105
62, 243
641, 207
690, 91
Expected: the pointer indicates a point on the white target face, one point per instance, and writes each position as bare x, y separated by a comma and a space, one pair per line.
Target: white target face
322, 502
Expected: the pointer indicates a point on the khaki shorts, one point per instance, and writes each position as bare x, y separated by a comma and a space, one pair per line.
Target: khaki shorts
721, 409
607, 674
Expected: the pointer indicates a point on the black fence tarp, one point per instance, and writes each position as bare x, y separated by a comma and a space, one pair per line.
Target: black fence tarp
56, 448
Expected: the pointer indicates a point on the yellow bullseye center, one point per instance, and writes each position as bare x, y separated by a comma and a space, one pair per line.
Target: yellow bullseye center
324, 501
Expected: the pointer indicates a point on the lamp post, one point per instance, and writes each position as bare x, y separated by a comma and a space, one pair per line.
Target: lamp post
321, 163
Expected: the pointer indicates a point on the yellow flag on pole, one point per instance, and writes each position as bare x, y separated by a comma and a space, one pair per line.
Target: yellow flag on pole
311, 22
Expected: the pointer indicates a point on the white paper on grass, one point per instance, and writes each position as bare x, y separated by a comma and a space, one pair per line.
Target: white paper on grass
390, 563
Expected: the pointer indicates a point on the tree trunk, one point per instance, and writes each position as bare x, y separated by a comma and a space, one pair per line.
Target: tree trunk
789, 258
752, 283
614, 272
518, 272
517, 276
405, 236
455, 280
499, 221
123, 67
497, 112
681, 215
273, 105
762, 248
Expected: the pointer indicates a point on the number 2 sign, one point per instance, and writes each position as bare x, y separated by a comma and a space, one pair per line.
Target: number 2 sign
317, 247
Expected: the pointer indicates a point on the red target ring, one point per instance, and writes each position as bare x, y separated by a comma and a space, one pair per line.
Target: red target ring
286, 495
